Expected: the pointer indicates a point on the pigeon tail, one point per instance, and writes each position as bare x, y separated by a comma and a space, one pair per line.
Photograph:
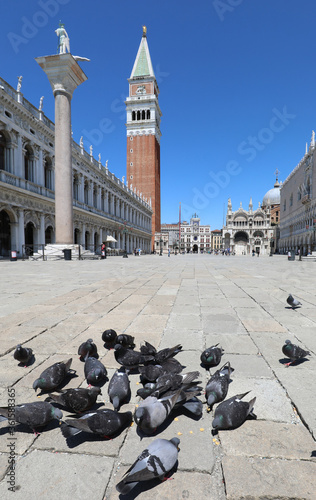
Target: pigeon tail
68, 431
124, 487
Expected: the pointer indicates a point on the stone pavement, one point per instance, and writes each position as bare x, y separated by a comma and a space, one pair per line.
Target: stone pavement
195, 300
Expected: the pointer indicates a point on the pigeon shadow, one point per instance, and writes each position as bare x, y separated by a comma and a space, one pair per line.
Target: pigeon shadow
54, 403
144, 486
293, 308
284, 361
96, 356
25, 429
30, 362
208, 367
100, 383
84, 437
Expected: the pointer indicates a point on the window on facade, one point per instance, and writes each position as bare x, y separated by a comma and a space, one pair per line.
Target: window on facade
291, 199
138, 115
76, 188
299, 194
3, 144
28, 159
284, 205
48, 173
131, 138
86, 192
148, 114
133, 116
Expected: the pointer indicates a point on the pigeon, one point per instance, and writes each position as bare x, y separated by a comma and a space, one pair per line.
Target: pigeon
172, 365
94, 371
169, 381
159, 458
212, 356
293, 302
105, 423
294, 352
53, 376
109, 337
77, 400
87, 347
169, 352
152, 412
217, 387
150, 373
119, 389
130, 359
232, 413
33, 415
155, 409
23, 354
125, 341
148, 349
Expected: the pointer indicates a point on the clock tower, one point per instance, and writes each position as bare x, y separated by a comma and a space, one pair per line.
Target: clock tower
143, 132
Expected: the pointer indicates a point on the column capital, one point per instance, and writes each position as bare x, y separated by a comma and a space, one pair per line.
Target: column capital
63, 72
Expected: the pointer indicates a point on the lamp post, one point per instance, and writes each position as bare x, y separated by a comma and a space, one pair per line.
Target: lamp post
161, 241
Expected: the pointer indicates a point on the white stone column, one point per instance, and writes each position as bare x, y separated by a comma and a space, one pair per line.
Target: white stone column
64, 74
19, 158
21, 233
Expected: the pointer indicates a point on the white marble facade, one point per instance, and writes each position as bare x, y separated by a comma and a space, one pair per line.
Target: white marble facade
103, 204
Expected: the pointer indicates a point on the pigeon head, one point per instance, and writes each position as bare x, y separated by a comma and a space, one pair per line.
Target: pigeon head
109, 335
94, 391
218, 422
142, 419
57, 413
212, 398
176, 442
288, 342
38, 384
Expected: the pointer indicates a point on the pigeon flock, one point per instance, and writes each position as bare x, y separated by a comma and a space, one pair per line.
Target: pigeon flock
165, 388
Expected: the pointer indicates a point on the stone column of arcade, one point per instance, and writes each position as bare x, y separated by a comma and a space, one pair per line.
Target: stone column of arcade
64, 75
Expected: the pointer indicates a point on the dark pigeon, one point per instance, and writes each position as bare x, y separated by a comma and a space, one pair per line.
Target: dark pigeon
125, 340
169, 381
23, 354
53, 376
232, 413
150, 373
294, 352
159, 458
217, 387
87, 347
172, 365
94, 371
77, 400
293, 302
212, 356
130, 359
33, 415
148, 348
119, 389
164, 354
109, 338
105, 423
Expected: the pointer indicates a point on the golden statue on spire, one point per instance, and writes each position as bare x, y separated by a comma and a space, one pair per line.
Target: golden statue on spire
144, 30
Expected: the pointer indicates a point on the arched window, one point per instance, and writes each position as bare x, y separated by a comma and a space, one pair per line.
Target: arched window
138, 115
28, 163
76, 188
148, 114
95, 196
133, 116
143, 114
86, 192
48, 173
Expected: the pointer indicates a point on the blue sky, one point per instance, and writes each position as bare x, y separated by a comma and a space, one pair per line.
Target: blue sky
236, 78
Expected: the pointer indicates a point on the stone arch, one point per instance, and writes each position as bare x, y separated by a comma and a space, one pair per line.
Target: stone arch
241, 236
5, 233
48, 172
28, 162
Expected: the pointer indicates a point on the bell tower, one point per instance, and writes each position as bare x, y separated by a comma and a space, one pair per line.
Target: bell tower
143, 132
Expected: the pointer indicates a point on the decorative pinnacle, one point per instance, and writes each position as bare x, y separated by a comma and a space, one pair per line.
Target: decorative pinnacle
144, 30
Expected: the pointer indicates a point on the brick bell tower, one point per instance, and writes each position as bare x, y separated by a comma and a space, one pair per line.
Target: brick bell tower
143, 132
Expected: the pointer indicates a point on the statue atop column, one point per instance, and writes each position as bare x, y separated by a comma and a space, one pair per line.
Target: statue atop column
18, 89
63, 39
41, 103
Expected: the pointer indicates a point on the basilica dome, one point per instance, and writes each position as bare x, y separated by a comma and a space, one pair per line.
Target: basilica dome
272, 197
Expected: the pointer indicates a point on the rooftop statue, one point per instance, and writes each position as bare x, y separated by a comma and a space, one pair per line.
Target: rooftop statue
18, 89
63, 39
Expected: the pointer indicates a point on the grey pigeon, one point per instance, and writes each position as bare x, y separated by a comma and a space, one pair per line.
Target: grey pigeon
232, 413
159, 458
33, 415
294, 352
109, 338
217, 386
169, 352
105, 423
77, 400
212, 356
293, 302
119, 389
94, 371
87, 347
130, 359
125, 340
169, 381
53, 376
23, 354
150, 373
